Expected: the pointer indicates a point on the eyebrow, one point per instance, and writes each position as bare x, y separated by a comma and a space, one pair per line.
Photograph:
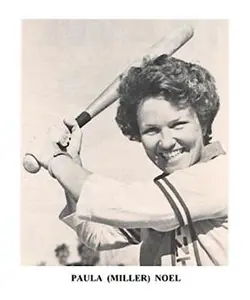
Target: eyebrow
172, 122
169, 123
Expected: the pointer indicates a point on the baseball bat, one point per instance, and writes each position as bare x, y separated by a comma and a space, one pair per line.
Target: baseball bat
167, 45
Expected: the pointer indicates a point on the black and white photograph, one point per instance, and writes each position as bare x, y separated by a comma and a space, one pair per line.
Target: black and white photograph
124, 142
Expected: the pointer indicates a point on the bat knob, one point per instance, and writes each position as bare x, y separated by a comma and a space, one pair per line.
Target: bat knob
31, 164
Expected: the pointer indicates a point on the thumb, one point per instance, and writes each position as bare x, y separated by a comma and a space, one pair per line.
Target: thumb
74, 146
70, 123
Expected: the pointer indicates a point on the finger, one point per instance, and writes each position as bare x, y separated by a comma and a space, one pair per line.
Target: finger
59, 135
70, 123
74, 145
75, 142
55, 134
64, 142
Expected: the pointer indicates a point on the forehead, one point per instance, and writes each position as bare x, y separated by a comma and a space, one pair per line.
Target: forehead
155, 110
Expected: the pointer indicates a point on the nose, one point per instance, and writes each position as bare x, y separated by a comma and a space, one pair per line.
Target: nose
167, 141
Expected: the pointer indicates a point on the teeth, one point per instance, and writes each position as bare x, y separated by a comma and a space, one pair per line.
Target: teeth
172, 154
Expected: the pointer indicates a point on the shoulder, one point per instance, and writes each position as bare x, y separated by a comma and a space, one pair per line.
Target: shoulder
213, 166
209, 176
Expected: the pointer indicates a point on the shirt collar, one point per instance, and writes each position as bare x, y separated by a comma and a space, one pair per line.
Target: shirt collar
211, 151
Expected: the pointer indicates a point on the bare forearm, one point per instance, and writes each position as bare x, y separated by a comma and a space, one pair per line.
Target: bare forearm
70, 175
71, 202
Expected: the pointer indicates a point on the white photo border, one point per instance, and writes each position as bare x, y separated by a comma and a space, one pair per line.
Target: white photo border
30, 282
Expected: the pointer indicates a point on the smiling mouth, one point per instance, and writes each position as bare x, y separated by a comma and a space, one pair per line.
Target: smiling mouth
171, 155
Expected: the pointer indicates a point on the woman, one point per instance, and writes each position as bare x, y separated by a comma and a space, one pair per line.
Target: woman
169, 106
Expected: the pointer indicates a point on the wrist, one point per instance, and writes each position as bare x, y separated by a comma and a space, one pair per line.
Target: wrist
77, 160
57, 156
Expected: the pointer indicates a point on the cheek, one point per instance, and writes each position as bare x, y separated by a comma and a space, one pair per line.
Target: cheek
191, 135
149, 143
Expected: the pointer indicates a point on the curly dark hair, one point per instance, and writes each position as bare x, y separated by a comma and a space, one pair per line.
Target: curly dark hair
181, 83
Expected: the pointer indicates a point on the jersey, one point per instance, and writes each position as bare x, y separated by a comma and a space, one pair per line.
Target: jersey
182, 216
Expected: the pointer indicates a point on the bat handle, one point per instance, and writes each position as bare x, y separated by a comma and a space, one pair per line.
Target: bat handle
31, 164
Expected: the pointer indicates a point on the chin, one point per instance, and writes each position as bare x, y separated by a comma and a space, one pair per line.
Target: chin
172, 169
180, 165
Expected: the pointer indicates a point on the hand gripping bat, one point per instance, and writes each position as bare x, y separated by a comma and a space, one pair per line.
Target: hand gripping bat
167, 45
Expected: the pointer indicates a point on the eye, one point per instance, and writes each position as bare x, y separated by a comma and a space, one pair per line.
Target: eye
179, 125
151, 130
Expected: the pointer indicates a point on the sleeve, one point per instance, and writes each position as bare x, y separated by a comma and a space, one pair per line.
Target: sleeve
200, 192
99, 236
144, 205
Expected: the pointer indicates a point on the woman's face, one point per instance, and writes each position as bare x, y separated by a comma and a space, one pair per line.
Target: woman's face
171, 137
